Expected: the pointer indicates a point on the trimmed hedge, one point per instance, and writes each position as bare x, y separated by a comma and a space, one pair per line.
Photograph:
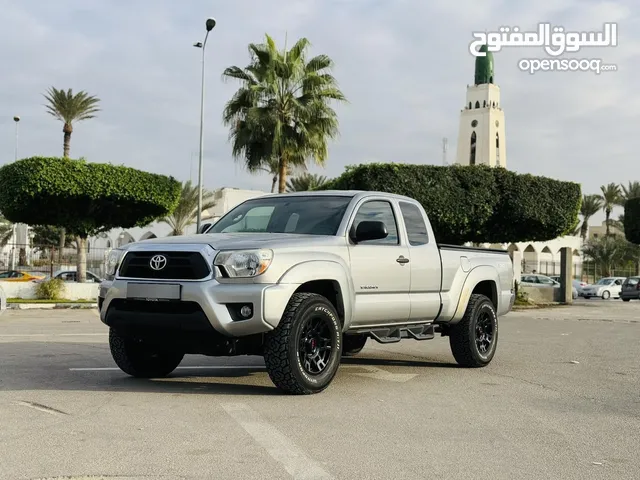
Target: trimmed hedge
632, 220
84, 198
477, 204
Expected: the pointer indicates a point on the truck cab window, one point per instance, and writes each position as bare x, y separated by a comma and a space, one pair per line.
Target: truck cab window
414, 222
381, 211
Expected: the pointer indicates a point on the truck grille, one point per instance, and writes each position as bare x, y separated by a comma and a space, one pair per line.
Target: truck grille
179, 266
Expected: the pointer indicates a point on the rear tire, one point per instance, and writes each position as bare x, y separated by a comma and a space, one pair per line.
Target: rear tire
474, 339
302, 354
626, 299
139, 360
353, 344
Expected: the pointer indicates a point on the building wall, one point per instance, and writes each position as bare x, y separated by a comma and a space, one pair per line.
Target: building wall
599, 231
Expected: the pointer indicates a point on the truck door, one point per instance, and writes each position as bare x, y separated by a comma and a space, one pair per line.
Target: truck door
380, 269
426, 267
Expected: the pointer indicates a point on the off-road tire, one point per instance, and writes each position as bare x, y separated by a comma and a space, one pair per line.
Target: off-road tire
135, 358
462, 336
626, 299
282, 346
353, 344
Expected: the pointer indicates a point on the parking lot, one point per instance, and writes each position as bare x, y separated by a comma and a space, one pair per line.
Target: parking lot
560, 400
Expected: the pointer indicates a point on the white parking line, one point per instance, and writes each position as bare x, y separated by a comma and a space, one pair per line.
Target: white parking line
195, 367
281, 449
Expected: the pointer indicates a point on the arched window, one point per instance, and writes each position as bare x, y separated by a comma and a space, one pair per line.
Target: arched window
470, 105
497, 148
477, 104
484, 103
472, 154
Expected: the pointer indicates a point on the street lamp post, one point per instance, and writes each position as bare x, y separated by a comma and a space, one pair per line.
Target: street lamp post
209, 24
16, 119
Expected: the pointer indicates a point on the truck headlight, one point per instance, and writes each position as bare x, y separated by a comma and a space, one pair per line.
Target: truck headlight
113, 260
244, 263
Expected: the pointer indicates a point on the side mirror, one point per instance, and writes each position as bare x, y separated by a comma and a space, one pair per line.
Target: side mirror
204, 227
370, 230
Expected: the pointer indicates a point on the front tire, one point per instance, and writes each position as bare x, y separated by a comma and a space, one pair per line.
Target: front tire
302, 354
141, 360
353, 344
606, 295
474, 339
626, 299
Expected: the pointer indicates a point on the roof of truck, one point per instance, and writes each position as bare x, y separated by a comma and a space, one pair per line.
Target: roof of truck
344, 193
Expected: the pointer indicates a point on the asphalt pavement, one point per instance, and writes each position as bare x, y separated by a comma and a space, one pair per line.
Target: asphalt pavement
559, 401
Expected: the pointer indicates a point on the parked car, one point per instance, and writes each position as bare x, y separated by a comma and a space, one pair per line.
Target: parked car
630, 289
303, 279
604, 288
72, 276
538, 280
577, 284
20, 276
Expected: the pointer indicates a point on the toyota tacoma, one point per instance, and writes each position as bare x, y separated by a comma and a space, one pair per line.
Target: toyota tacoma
302, 279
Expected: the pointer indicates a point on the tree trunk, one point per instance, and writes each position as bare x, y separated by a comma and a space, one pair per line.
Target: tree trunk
82, 259
608, 214
274, 180
63, 239
584, 229
67, 129
282, 187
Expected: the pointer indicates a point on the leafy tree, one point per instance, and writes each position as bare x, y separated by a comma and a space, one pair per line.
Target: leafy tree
70, 108
83, 198
48, 235
306, 182
282, 110
609, 253
186, 211
611, 195
591, 204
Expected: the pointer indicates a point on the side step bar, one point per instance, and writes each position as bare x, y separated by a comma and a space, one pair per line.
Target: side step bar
395, 334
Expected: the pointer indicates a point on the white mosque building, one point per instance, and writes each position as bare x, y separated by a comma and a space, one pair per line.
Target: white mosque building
482, 141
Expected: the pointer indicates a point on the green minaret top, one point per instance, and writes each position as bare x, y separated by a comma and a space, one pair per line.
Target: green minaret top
484, 67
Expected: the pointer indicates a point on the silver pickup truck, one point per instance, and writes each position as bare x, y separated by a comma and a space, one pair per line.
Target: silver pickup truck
302, 279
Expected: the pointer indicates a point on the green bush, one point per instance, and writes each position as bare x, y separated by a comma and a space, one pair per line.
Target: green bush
84, 198
632, 220
51, 289
475, 203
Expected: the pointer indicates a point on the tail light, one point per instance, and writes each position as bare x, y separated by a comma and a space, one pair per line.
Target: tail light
638, 286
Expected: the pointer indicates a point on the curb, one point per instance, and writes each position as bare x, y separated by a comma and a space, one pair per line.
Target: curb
50, 306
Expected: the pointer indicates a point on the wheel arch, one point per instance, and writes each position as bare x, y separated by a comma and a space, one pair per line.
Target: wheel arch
483, 280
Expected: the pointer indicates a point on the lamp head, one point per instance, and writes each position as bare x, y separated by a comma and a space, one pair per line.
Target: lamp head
211, 22
16, 119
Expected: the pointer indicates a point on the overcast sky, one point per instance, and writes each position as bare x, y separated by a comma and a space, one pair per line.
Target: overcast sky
403, 64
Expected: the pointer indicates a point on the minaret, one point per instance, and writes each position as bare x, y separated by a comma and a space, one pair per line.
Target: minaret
481, 137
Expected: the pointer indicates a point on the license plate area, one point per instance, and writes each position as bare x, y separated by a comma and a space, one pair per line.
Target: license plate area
154, 291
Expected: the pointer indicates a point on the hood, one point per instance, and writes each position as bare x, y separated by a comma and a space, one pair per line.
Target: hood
226, 241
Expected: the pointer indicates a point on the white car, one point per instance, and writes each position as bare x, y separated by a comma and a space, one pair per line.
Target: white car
604, 288
538, 280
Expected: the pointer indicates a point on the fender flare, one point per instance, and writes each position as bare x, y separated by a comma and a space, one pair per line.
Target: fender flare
317, 270
476, 275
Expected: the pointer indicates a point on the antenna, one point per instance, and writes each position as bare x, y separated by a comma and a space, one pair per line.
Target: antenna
445, 142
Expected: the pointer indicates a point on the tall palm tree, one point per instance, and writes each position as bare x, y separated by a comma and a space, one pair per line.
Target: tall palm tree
186, 212
632, 190
282, 110
70, 108
272, 167
610, 198
591, 204
305, 182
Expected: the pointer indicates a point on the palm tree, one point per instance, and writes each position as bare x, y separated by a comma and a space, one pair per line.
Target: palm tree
282, 109
608, 253
6, 231
591, 204
70, 108
272, 167
187, 210
610, 198
306, 182
632, 190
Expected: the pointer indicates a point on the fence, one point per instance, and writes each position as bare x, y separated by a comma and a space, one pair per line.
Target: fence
586, 272
47, 259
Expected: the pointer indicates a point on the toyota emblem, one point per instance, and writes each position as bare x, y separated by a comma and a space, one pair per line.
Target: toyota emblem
158, 262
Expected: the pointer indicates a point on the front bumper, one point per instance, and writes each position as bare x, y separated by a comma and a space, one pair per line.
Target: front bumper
203, 302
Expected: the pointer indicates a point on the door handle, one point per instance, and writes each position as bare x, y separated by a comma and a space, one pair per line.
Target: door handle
402, 260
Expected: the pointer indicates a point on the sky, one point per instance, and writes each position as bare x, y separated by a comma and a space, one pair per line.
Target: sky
404, 66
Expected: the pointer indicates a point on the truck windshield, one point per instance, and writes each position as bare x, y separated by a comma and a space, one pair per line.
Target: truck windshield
310, 215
